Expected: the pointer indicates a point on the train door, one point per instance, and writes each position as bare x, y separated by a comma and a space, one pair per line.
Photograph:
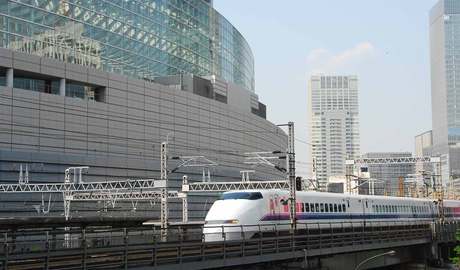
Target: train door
365, 203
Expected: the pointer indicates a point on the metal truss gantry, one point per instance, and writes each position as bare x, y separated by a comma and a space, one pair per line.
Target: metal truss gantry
226, 186
74, 189
352, 164
398, 160
118, 185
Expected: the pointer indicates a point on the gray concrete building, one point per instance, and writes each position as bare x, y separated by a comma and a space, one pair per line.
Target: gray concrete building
445, 90
334, 124
99, 84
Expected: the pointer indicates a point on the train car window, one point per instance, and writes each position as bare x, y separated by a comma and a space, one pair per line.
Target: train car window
241, 196
321, 207
303, 207
317, 207
312, 207
335, 207
344, 208
326, 207
307, 207
340, 208
331, 209
367, 205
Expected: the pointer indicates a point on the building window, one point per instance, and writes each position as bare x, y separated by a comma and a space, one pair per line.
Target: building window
85, 91
2, 77
45, 85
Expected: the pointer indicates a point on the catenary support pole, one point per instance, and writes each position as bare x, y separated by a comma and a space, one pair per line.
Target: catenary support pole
291, 170
164, 191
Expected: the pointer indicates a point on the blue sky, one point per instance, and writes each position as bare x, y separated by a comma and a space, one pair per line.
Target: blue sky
384, 42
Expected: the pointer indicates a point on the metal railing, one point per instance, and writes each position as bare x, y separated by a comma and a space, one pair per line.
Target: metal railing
140, 247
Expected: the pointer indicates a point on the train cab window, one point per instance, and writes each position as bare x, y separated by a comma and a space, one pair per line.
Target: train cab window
321, 207
335, 207
307, 207
241, 196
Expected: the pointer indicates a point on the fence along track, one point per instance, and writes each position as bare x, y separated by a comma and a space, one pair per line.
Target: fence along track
140, 247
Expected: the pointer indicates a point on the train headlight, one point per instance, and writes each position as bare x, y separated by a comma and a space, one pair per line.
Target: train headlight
231, 221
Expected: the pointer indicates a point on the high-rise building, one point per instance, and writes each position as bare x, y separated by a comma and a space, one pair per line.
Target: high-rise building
103, 83
445, 85
334, 130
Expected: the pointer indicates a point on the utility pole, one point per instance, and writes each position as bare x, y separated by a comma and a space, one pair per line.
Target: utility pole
315, 174
291, 173
292, 182
164, 191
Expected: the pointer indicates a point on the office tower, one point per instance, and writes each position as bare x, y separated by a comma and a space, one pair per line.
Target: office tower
445, 85
334, 124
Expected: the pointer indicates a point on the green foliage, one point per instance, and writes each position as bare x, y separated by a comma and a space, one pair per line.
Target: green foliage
456, 258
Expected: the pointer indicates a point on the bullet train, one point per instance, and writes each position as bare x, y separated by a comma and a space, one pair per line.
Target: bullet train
238, 214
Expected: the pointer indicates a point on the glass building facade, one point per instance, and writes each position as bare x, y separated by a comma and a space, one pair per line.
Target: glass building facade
445, 85
143, 39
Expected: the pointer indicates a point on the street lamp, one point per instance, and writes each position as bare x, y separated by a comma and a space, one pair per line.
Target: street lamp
389, 253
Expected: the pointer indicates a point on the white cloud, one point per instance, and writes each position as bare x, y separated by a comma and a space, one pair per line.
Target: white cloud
322, 60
